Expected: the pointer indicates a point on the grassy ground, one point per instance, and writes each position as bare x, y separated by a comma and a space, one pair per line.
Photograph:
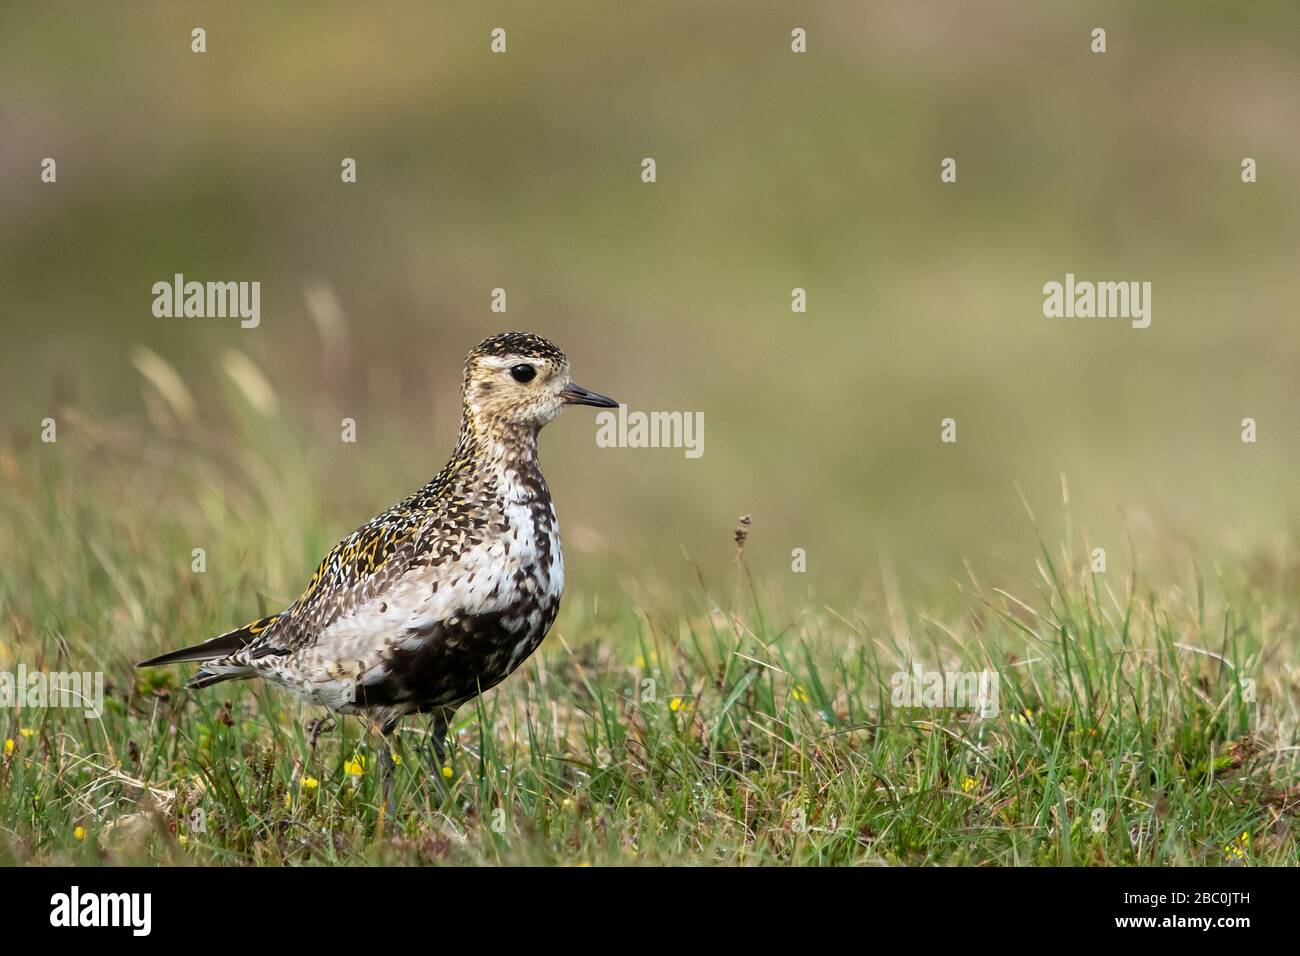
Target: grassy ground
1140, 721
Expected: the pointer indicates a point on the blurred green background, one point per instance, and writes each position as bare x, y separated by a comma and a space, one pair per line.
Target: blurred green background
775, 170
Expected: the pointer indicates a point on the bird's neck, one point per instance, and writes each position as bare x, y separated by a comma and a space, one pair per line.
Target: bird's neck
492, 450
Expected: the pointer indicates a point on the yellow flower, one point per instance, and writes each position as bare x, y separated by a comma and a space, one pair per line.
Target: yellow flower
1026, 718
183, 840
678, 704
26, 732
9, 746
969, 784
356, 766
799, 694
1237, 849
79, 833
309, 783
446, 771
397, 760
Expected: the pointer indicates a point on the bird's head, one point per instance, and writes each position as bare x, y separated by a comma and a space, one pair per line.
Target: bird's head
520, 380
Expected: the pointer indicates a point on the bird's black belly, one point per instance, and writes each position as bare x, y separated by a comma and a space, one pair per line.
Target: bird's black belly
452, 663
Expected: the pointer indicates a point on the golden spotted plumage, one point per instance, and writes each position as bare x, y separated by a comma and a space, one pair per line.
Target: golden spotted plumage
444, 594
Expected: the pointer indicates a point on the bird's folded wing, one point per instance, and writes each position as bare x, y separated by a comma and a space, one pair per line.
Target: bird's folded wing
356, 571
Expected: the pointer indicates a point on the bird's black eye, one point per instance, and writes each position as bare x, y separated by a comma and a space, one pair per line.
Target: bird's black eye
523, 373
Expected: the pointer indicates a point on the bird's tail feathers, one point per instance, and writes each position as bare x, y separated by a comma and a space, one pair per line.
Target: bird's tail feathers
222, 645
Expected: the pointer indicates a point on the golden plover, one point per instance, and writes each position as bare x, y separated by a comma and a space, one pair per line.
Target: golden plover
444, 594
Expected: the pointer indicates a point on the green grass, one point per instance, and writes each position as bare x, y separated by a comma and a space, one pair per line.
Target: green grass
663, 721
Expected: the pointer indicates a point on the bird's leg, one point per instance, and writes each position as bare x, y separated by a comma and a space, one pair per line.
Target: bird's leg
438, 739
438, 746
386, 765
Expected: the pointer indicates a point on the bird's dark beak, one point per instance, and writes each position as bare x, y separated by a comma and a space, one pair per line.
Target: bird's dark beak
574, 394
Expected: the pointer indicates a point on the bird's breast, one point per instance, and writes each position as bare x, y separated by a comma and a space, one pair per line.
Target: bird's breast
481, 618
461, 618
515, 569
